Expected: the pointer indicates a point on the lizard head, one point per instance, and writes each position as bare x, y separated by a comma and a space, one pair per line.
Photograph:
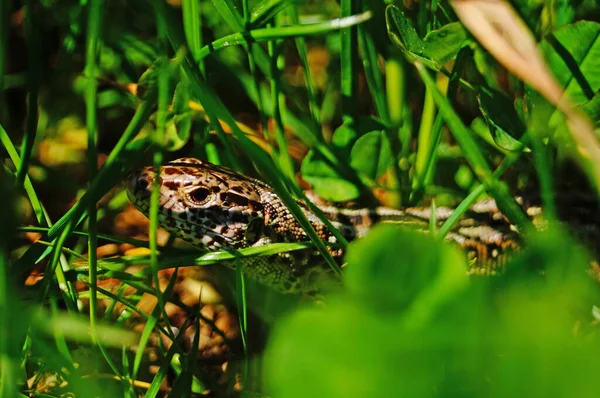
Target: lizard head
206, 205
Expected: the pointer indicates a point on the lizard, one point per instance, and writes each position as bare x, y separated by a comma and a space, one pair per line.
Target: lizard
215, 208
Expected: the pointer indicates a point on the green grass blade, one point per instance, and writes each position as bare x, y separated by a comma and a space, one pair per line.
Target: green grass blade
228, 12
240, 298
120, 159
267, 9
373, 74
427, 173
471, 152
190, 10
349, 62
5, 14
33, 82
151, 322
159, 137
281, 32
542, 158
91, 98
395, 88
425, 138
40, 214
10, 366
308, 80
479, 190
282, 156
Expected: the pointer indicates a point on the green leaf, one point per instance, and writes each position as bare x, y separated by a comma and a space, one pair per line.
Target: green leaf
359, 354
228, 11
423, 273
505, 125
177, 133
573, 54
530, 330
544, 302
437, 48
345, 136
403, 34
372, 154
592, 108
364, 336
326, 179
442, 45
147, 83
364, 144
553, 265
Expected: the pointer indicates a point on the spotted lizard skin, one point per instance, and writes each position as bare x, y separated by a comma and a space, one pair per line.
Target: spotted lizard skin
215, 208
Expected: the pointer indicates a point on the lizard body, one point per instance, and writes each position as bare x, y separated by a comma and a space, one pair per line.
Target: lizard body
215, 208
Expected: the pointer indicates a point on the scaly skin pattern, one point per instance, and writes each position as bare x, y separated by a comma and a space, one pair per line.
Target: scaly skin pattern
215, 208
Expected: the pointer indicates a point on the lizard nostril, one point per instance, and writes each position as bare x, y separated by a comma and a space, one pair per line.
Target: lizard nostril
140, 182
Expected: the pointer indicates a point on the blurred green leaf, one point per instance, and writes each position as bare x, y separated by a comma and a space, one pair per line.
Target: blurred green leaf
528, 332
140, 53
506, 127
553, 266
573, 54
148, 80
592, 108
9, 216
177, 133
326, 180
372, 154
345, 136
422, 273
347, 350
394, 330
438, 47
78, 329
361, 142
544, 308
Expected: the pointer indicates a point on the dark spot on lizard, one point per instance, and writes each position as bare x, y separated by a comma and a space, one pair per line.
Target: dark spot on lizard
256, 206
171, 185
237, 199
170, 170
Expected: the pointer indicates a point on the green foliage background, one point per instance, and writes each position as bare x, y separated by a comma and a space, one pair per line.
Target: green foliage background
407, 104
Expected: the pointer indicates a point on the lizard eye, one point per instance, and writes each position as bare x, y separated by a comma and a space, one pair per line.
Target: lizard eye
200, 196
